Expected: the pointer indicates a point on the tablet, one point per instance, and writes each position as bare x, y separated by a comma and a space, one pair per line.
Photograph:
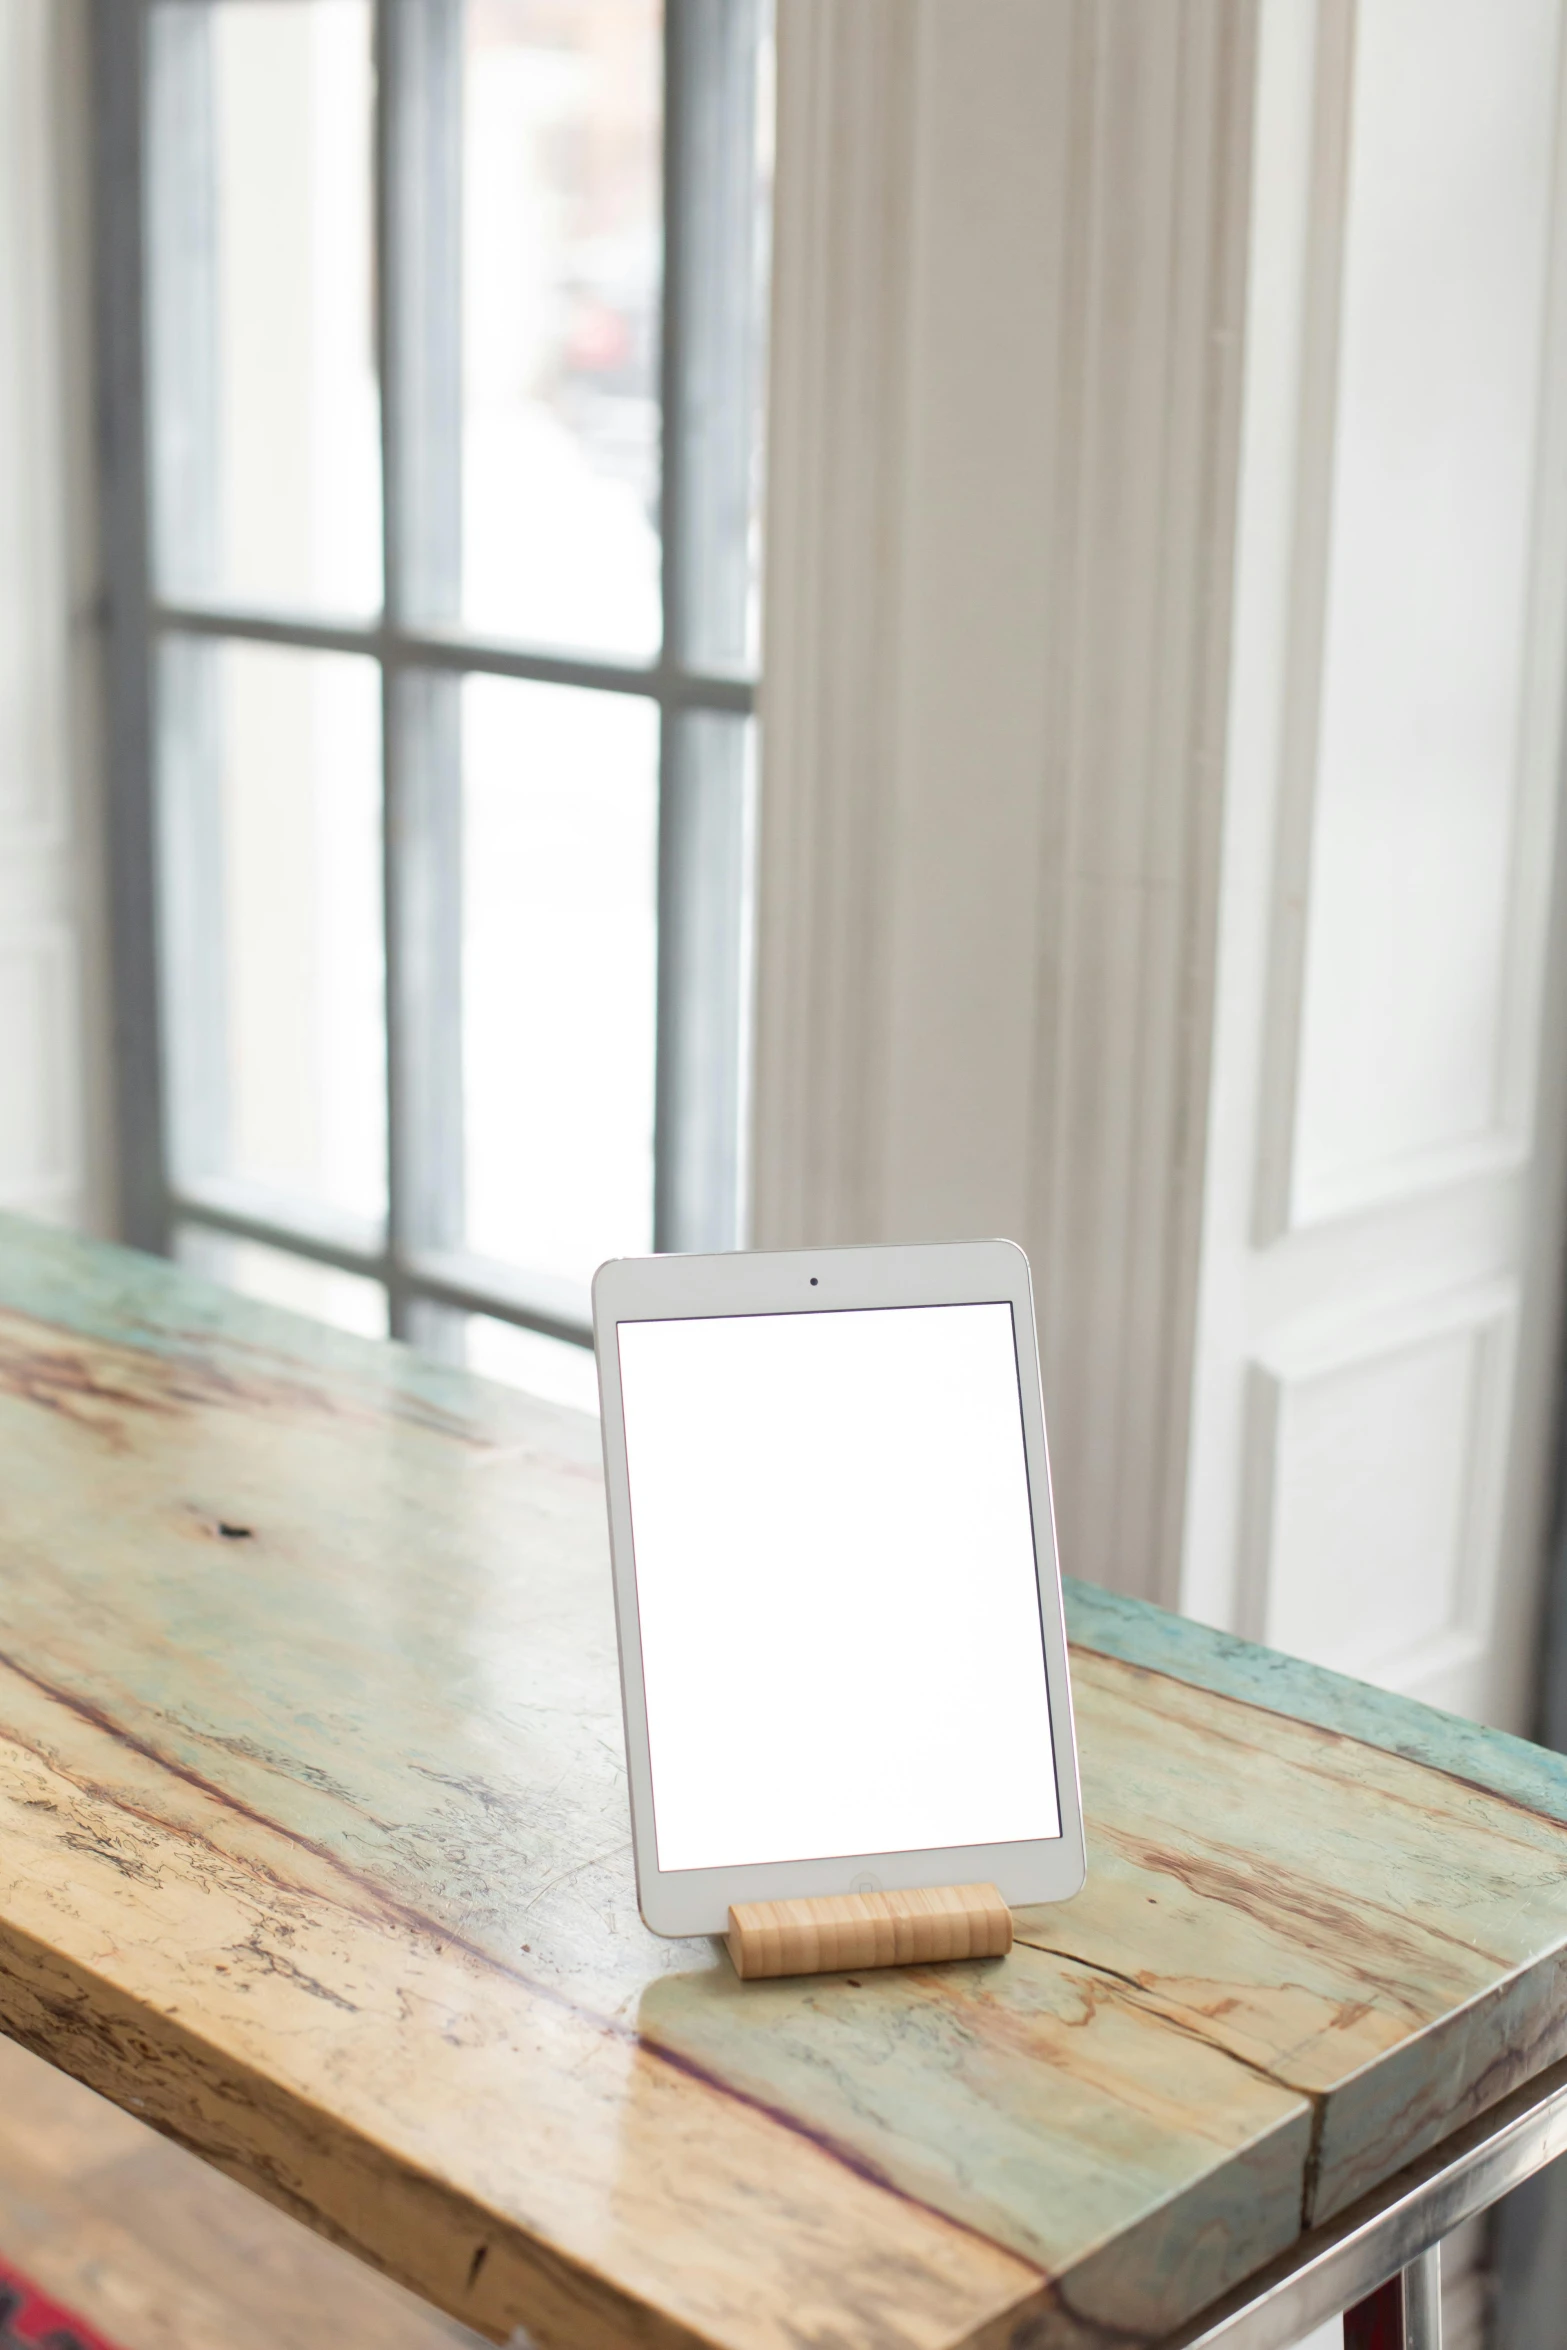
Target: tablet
842, 1658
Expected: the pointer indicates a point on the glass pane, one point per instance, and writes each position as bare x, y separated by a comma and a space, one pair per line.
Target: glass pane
560, 810
270, 827
523, 1358
266, 452
562, 237
347, 1300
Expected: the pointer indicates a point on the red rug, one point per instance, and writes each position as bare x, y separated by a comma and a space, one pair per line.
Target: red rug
29, 2320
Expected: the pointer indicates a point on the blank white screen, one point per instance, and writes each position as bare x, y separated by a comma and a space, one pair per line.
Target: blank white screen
841, 1644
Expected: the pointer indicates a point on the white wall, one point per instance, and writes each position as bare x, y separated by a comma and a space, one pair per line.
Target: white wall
54, 1109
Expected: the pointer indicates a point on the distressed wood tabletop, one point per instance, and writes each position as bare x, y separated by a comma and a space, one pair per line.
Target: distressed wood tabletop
314, 1852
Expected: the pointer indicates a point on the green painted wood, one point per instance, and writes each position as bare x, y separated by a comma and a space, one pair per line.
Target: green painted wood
313, 1848
1159, 1642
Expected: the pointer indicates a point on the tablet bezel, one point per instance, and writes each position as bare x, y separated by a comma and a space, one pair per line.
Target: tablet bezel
688, 1288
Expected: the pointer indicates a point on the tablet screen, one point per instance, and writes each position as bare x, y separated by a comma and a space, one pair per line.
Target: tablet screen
836, 1584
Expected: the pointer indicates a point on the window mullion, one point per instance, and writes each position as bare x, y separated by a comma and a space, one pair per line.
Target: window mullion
702, 866
419, 195
119, 34
711, 327
185, 553
709, 388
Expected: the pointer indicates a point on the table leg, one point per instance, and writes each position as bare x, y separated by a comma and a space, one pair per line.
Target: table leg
1403, 2314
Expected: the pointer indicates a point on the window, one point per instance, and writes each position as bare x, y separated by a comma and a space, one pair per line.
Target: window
431, 353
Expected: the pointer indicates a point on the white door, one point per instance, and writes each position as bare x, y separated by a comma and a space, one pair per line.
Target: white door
1379, 1281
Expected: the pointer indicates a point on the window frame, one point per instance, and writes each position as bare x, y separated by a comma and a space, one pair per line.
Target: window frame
709, 330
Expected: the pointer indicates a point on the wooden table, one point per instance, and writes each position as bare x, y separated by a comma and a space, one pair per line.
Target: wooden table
314, 1852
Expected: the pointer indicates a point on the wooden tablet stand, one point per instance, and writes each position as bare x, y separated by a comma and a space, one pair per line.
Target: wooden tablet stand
826, 1933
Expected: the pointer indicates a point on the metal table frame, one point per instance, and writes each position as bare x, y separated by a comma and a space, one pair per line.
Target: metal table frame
1378, 2262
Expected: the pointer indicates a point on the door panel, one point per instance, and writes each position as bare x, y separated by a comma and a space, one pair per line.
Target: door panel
1423, 934
1373, 1468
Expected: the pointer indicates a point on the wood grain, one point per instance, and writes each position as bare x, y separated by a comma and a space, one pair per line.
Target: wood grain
829, 1932
314, 1852
164, 2253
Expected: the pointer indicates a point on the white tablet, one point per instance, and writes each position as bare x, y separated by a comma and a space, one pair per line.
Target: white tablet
842, 1657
